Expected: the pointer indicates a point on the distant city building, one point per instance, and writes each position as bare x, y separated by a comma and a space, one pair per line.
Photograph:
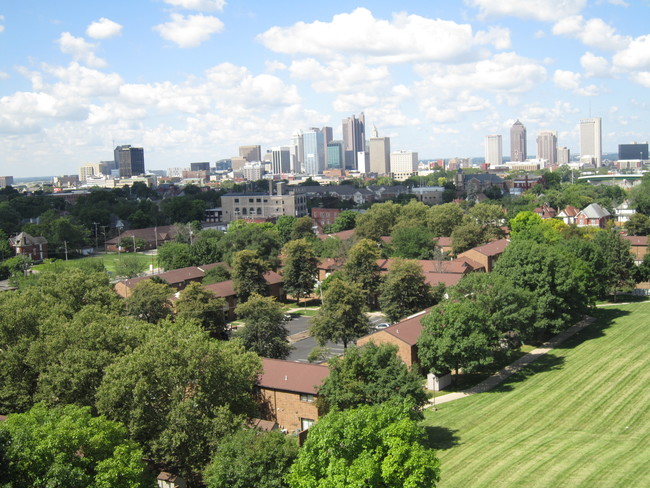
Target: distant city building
493, 150
200, 166
362, 162
6, 181
354, 139
314, 151
547, 147
223, 165
431, 195
237, 163
591, 141
379, 153
176, 172
403, 164
129, 160
627, 152
297, 151
66, 181
253, 171
327, 138
250, 153
93, 169
518, 142
280, 160
263, 206
335, 155
563, 155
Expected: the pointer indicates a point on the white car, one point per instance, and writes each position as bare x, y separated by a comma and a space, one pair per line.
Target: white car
381, 326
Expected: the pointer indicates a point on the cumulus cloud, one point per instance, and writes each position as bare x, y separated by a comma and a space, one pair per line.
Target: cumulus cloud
544, 10
4, 75
499, 37
594, 65
189, 31
338, 76
635, 56
103, 29
202, 5
593, 32
568, 80
80, 49
2, 27
402, 39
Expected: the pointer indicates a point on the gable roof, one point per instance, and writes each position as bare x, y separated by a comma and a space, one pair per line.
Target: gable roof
344, 235
24, 239
595, 211
409, 329
163, 233
448, 279
637, 240
292, 376
176, 276
569, 211
492, 248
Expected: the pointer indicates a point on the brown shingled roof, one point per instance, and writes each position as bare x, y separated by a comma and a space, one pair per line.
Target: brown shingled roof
493, 248
637, 240
409, 329
291, 376
449, 279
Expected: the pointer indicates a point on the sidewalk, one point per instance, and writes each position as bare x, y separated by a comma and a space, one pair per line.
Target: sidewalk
513, 368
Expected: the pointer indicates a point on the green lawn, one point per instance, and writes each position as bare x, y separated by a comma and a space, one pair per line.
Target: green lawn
108, 260
579, 416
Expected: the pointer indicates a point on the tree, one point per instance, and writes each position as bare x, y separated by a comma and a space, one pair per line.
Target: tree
369, 375
207, 249
361, 267
643, 272
261, 238
443, 219
302, 228
412, 242
346, 220
284, 227
638, 225
216, 275
69, 447
265, 332
129, 266
467, 236
179, 393
404, 291
248, 274
252, 458
619, 263
129, 244
300, 268
341, 318
174, 255
377, 221
195, 302
374, 445
150, 301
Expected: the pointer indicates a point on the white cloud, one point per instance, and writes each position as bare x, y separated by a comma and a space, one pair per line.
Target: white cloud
643, 78
568, 80
272, 66
594, 65
636, 55
189, 31
4, 75
80, 49
545, 10
497, 36
402, 39
103, 29
593, 32
338, 76
2, 27
202, 5
81, 81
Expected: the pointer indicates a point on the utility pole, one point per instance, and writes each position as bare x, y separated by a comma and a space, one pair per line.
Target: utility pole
65, 245
96, 245
133, 243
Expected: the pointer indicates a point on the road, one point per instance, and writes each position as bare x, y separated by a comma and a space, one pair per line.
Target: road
303, 343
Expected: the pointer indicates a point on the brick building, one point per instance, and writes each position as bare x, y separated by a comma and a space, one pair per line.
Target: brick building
485, 255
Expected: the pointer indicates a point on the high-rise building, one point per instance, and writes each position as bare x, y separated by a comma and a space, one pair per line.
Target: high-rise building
518, 142
493, 150
280, 160
314, 151
250, 153
591, 141
379, 153
297, 151
563, 155
547, 147
354, 139
200, 166
403, 164
6, 181
628, 152
335, 155
327, 138
129, 160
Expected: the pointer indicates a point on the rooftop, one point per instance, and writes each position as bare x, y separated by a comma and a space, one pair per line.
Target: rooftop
292, 376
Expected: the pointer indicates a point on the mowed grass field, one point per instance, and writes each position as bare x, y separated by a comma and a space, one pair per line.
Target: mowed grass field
579, 416
108, 260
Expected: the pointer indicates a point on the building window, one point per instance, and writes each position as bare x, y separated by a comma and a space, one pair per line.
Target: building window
306, 397
236, 200
250, 200
306, 423
259, 200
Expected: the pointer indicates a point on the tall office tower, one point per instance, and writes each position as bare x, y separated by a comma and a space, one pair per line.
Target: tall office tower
403, 164
563, 155
493, 150
314, 151
335, 155
518, 142
280, 160
327, 138
627, 152
129, 160
547, 147
354, 139
250, 153
200, 166
89, 169
379, 153
591, 141
297, 150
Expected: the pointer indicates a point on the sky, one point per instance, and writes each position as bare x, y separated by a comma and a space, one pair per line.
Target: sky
191, 80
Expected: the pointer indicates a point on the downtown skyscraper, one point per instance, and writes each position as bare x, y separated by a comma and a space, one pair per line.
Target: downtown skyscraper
354, 140
518, 142
591, 141
493, 150
547, 147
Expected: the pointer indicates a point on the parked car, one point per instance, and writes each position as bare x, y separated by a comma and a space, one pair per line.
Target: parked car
381, 326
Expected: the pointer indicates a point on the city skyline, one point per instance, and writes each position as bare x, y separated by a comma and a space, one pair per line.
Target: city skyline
192, 80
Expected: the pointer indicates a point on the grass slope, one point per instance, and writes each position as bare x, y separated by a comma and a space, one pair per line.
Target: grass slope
580, 418
108, 260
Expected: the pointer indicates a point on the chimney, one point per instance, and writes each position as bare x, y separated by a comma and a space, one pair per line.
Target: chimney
280, 188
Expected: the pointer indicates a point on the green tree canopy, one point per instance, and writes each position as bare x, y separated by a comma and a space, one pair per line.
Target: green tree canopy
412, 242
361, 267
248, 274
129, 266
302, 228
341, 318
150, 301
68, 447
300, 268
378, 221
265, 332
175, 255
404, 291
195, 302
638, 225
217, 275
379, 446
252, 458
346, 220
466, 236
443, 219
369, 375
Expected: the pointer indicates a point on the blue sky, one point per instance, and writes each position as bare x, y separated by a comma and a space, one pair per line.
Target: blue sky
191, 80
